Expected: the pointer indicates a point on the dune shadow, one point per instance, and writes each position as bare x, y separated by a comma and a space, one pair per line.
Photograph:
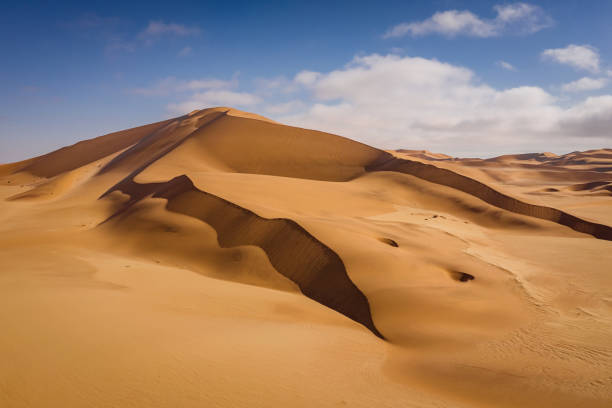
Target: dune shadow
487, 194
294, 252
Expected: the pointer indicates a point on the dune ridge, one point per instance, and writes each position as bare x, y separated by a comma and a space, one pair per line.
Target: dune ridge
147, 144
361, 155
294, 252
160, 142
480, 190
81, 153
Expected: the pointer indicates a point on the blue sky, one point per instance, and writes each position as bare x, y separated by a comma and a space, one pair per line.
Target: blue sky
471, 78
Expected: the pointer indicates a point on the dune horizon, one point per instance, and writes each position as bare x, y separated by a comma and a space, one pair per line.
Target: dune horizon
418, 153
221, 258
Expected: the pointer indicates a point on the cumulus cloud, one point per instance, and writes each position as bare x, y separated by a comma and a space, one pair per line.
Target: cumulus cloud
518, 18
578, 56
215, 98
285, 107
527, 18
410, 102
171, 85
201, 93
506, 65
451, 23
306, 77
585, 84
393, 101
275, 85
591, 117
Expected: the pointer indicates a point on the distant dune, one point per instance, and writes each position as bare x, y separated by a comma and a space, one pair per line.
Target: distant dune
223, 259
562, 182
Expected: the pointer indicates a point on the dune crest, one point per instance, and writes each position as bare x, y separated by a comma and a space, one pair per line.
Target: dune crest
468, 185
293, 252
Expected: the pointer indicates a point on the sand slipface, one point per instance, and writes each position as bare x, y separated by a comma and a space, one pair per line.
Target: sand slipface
223, 259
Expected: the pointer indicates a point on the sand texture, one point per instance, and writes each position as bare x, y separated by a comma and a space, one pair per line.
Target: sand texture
221, 259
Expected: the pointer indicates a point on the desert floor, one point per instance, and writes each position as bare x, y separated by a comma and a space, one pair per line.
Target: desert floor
221, 259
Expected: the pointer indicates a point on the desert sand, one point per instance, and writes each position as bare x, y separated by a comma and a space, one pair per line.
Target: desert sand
221, 259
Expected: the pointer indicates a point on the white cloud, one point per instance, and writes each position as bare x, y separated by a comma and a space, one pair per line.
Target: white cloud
285, 107
578, 56
211, 83
185, 51
585, 84
171, 85
271, 86
410, 102
159, 28
521, 18
525, 18
506, 65
591, 117
200, 94
390, 101
215, 98
306, 77
450, 23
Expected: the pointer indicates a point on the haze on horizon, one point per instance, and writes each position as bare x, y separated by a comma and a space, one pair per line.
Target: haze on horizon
466, 78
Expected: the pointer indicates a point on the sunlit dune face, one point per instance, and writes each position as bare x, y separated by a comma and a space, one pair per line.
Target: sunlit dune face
206, 257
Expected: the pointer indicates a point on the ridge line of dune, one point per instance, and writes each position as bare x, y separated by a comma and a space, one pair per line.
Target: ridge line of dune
143, 144
80, 153
449, 178
292, 250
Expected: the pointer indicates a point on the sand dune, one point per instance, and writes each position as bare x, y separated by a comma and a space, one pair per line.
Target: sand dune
81, 153
292, 251
545, 179
451, 179
223, 259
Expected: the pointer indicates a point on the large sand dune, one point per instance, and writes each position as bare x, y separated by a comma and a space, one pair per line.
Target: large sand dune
223, 259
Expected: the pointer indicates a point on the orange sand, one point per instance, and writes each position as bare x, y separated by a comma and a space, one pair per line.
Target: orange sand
222, 259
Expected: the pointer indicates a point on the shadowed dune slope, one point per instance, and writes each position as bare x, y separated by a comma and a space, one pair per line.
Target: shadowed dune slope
295, 253
595, 158
449, 178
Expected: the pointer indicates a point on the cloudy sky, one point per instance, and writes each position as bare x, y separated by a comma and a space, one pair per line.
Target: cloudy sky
468, 78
